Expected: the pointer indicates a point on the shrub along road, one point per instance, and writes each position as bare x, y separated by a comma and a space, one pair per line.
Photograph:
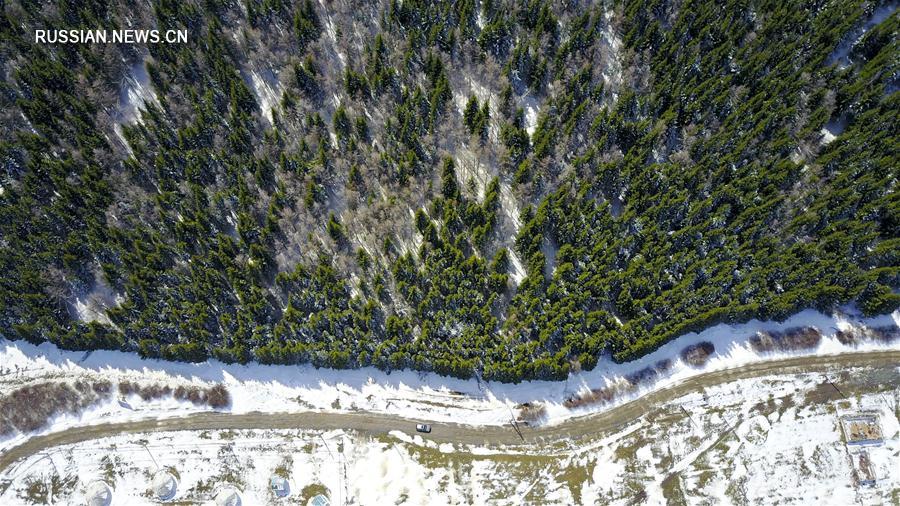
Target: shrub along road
370, 423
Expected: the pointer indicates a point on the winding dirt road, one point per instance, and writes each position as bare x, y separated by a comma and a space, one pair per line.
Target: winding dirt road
372, 423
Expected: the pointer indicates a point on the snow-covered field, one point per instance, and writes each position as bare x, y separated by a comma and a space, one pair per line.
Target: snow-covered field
403, 393
767, 440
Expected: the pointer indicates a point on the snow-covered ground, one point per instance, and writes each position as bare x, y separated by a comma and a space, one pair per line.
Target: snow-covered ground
767, 440
203, 464
135, 94
267, 89
609, 59
409, 394
833, 129
530, 105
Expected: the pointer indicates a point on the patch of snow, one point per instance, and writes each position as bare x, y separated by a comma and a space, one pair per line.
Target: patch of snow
530, 105
481, 92
841, 54
833, 129
331, 32
617, 204
610, 58
549, 248
510, 207
28, 123
460, 100
413, 243
117, 129
268, 91
92, 305
470, 86
135, 92
518, 270
86, 313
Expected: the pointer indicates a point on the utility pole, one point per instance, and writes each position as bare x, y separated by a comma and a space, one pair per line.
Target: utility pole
150, 454
689, 417
838, 390
512, 421
326, 446
516, 427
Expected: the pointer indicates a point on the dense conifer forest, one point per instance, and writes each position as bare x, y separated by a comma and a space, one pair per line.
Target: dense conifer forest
496, 188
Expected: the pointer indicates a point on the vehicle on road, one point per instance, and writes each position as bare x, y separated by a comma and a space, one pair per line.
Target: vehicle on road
423, 427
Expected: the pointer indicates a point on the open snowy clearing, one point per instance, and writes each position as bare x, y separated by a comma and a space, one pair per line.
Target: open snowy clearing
408, 394
772, 439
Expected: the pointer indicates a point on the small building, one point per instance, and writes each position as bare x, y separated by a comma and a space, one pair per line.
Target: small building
279, 486
862, 429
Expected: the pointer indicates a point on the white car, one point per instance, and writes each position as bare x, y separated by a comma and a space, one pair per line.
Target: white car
423, 427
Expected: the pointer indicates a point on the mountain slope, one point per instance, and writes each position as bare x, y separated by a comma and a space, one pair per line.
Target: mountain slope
504, 189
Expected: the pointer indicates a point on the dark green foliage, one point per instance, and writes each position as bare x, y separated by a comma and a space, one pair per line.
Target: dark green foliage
342, 124
336, 230
305, 75
477, 120
688, 188
306, 25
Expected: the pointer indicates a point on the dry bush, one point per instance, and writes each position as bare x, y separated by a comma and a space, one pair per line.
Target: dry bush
856, 335
762, 342
215, 397
191, 393
851, 336
102, 388
800, 338
531, 412
885, 334
696, 355
630, 383
29, 408
154, 391
127, 387
598, 395
649, 373
146, 392
218, 397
